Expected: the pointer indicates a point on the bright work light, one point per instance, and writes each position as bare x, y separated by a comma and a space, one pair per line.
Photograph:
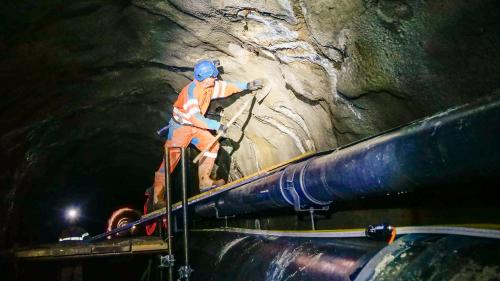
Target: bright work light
72, 214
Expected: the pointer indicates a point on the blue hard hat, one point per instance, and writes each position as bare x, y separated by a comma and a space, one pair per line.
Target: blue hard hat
205, 69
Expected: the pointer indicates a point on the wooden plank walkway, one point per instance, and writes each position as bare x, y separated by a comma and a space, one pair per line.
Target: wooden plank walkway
105, 248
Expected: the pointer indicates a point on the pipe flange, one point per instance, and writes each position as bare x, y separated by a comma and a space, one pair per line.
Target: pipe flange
289, 184
304, 189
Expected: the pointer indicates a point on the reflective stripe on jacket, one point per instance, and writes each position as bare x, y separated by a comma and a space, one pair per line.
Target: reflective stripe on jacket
193, 102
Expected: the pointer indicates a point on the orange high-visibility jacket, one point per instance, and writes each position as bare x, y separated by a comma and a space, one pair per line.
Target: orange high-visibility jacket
193, 102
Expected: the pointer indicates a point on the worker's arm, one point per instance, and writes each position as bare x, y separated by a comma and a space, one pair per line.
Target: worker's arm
224, 89
201, 121
191, 116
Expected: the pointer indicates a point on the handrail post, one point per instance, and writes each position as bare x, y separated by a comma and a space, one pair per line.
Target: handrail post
168, 200
168, 260
185, 271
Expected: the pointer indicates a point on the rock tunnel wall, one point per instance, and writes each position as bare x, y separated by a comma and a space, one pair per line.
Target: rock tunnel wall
86, 84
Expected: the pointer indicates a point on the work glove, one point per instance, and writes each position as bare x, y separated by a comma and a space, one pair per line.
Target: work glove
255, 85
222, 129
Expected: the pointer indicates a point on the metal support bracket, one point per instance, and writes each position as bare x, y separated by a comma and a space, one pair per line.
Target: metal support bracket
217, 216
166, 261
297, 206
185, 272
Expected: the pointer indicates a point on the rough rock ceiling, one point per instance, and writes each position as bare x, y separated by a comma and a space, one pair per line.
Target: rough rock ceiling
86, 84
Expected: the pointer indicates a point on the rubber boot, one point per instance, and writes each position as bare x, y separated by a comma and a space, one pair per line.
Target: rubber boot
204, 171
159, 191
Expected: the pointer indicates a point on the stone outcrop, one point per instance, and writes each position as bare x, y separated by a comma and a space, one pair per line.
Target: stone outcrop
88, 83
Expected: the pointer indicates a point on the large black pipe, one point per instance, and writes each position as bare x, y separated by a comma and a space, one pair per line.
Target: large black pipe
455, 147
224, 255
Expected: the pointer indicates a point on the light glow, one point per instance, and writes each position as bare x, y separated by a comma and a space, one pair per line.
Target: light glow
72, 214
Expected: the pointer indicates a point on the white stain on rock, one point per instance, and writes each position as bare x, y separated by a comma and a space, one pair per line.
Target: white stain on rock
285, 130
274, 30
255, 156
291, 114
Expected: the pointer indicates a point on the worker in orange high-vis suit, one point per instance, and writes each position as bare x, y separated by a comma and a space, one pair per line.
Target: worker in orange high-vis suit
189, 125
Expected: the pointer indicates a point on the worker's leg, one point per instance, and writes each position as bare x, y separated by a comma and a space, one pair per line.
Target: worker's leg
178, 136
202, 139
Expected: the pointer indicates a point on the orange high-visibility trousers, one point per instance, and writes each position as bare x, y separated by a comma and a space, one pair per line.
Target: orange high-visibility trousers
182, 136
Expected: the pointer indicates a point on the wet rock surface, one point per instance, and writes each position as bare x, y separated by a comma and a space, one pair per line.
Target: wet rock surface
86, 85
